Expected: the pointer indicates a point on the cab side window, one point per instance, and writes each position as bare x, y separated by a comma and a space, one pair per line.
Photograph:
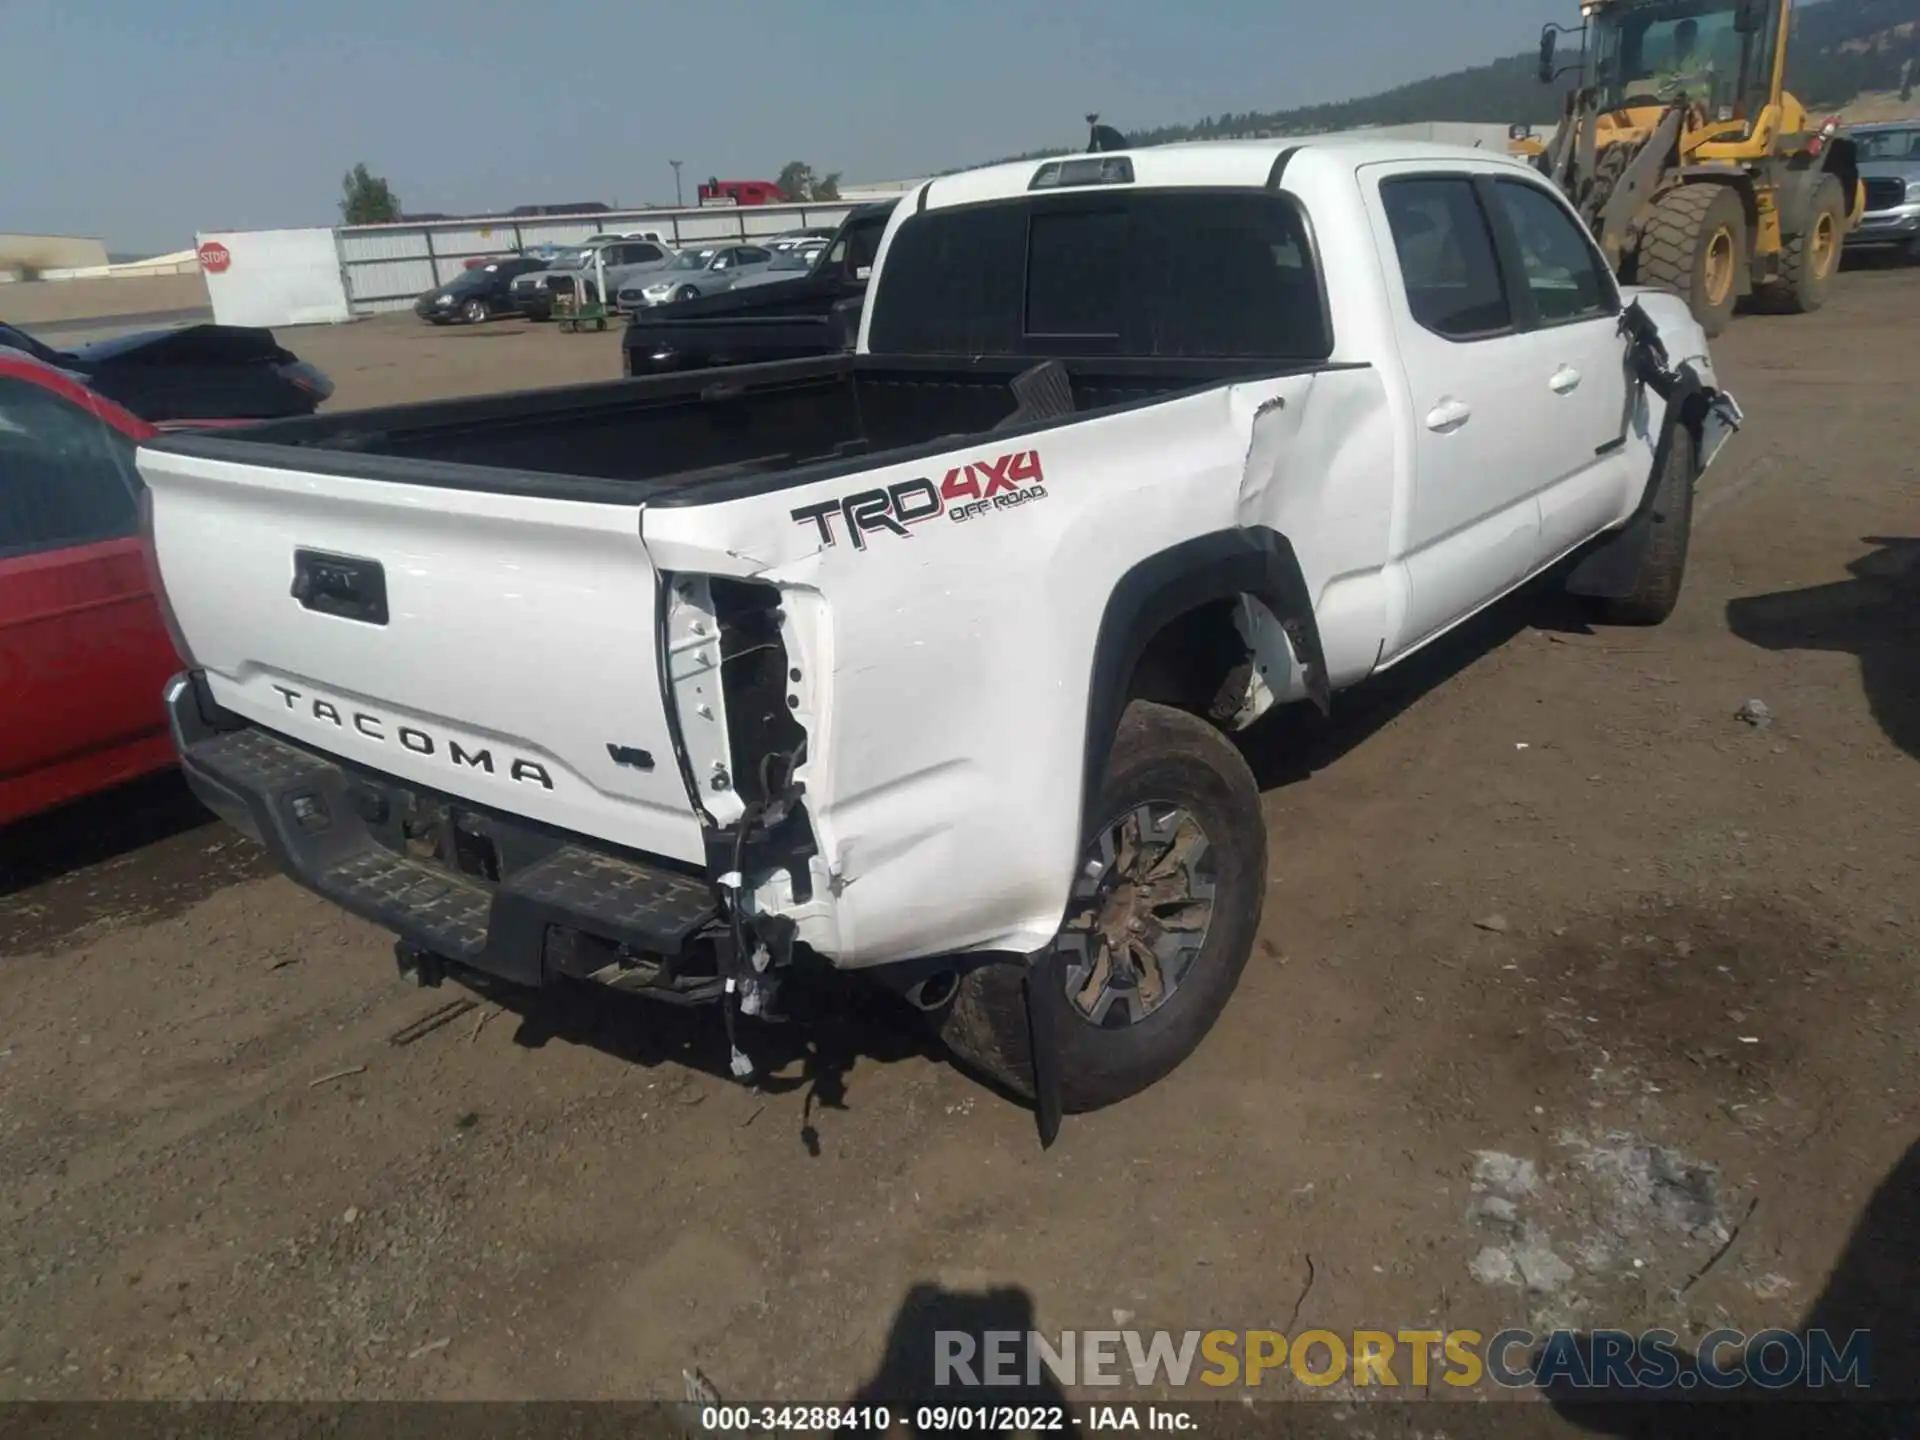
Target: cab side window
66, 476
1565, 275
1447, 257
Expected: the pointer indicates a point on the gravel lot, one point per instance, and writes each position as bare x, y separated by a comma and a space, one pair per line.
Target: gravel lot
1540, 898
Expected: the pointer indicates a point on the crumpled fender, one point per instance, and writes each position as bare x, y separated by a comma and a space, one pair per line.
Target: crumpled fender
1688, 398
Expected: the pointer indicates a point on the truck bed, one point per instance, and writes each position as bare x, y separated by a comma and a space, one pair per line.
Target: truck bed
677, 439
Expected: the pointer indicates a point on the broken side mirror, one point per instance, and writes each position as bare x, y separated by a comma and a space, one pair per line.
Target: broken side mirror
1549, 41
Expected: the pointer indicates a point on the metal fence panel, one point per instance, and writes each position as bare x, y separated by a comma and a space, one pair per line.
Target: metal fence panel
370, 280
386, 266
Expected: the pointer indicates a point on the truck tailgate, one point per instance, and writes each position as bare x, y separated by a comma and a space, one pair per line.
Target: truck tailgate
499, 648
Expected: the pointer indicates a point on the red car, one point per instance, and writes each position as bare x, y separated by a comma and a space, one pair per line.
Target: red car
84, 646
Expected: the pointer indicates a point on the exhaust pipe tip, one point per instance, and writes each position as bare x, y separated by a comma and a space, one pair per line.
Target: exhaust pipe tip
934, 992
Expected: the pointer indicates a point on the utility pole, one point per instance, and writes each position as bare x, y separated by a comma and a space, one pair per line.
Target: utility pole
679, 203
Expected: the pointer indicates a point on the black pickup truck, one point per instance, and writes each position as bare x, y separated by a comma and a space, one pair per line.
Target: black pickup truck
812, 314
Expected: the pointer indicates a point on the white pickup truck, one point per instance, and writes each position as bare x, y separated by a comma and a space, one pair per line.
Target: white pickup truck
921, 659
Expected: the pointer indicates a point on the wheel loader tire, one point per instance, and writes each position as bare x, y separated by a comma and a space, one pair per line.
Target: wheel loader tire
1160, 757
1810, 260
1663, 569
1696, 246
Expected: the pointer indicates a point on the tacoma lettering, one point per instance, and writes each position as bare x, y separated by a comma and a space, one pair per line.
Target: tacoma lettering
413, 739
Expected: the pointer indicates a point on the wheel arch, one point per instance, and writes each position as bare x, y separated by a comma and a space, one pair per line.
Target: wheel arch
1801, 180
1178, 587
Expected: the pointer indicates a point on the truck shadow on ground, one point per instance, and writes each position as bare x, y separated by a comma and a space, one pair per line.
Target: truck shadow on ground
1292, 742
1874, 1287
835, 1023
1874, 616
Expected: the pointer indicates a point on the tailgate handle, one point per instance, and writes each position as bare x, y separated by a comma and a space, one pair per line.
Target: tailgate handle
340, 585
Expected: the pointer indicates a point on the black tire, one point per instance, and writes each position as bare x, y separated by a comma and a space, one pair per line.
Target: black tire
1663, 569
686, 292
1159, 755
1682, 242
475, 312
1810, 260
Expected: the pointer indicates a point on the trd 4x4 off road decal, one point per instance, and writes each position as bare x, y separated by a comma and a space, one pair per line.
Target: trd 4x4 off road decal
967, 492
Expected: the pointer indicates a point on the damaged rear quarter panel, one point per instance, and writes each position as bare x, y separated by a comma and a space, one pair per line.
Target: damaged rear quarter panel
946, 742
1321, 469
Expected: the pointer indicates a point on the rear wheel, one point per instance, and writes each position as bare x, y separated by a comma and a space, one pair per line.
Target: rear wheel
1695, 244
1811, 259
1162, 916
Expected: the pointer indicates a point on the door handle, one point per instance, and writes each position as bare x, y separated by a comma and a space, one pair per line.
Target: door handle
1565, 380
1449, 415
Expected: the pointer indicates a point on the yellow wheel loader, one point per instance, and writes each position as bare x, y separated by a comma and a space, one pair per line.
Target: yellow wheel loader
1694, 168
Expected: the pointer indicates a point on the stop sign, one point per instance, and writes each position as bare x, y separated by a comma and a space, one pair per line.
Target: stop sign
215, 256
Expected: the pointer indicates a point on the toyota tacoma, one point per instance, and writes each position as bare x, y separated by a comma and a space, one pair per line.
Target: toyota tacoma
924, 659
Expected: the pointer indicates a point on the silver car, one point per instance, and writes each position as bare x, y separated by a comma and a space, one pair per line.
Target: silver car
710, 270
625, 261
1889, 156
787, 265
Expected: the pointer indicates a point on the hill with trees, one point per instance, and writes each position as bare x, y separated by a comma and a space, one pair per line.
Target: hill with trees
1840, 49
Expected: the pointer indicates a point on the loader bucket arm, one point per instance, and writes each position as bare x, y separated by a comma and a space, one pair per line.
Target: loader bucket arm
1637, 184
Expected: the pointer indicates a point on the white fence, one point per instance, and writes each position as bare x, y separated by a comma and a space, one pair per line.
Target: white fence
273, 277
386, 267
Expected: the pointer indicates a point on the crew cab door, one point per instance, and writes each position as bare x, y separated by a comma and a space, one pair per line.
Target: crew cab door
1571, 312
1508, 406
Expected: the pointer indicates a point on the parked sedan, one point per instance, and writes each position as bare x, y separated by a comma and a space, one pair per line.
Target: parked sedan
621, 259
84, 644
789, 264
694, 273
475, 295
198, 372
795, 238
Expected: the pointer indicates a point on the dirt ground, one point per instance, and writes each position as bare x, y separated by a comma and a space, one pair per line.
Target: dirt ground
1578, 1000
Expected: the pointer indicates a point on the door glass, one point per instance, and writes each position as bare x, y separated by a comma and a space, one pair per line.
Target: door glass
66, 477
1447, 257
1565, 274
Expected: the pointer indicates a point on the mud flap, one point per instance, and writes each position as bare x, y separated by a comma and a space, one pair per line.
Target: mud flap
1609, 570
1044, 984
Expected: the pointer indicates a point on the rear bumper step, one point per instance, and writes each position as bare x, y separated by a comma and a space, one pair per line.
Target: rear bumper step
358, 839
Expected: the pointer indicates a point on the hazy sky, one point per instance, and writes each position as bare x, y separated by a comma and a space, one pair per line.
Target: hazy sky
141, 121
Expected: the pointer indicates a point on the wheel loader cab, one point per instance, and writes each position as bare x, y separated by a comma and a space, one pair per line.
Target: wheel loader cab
1723, 58
1693, 167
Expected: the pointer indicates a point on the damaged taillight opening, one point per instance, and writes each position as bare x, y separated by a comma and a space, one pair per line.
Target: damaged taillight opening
756, 676
736, 692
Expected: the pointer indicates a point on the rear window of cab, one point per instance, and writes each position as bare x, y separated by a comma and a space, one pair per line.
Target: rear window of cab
1183, 273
